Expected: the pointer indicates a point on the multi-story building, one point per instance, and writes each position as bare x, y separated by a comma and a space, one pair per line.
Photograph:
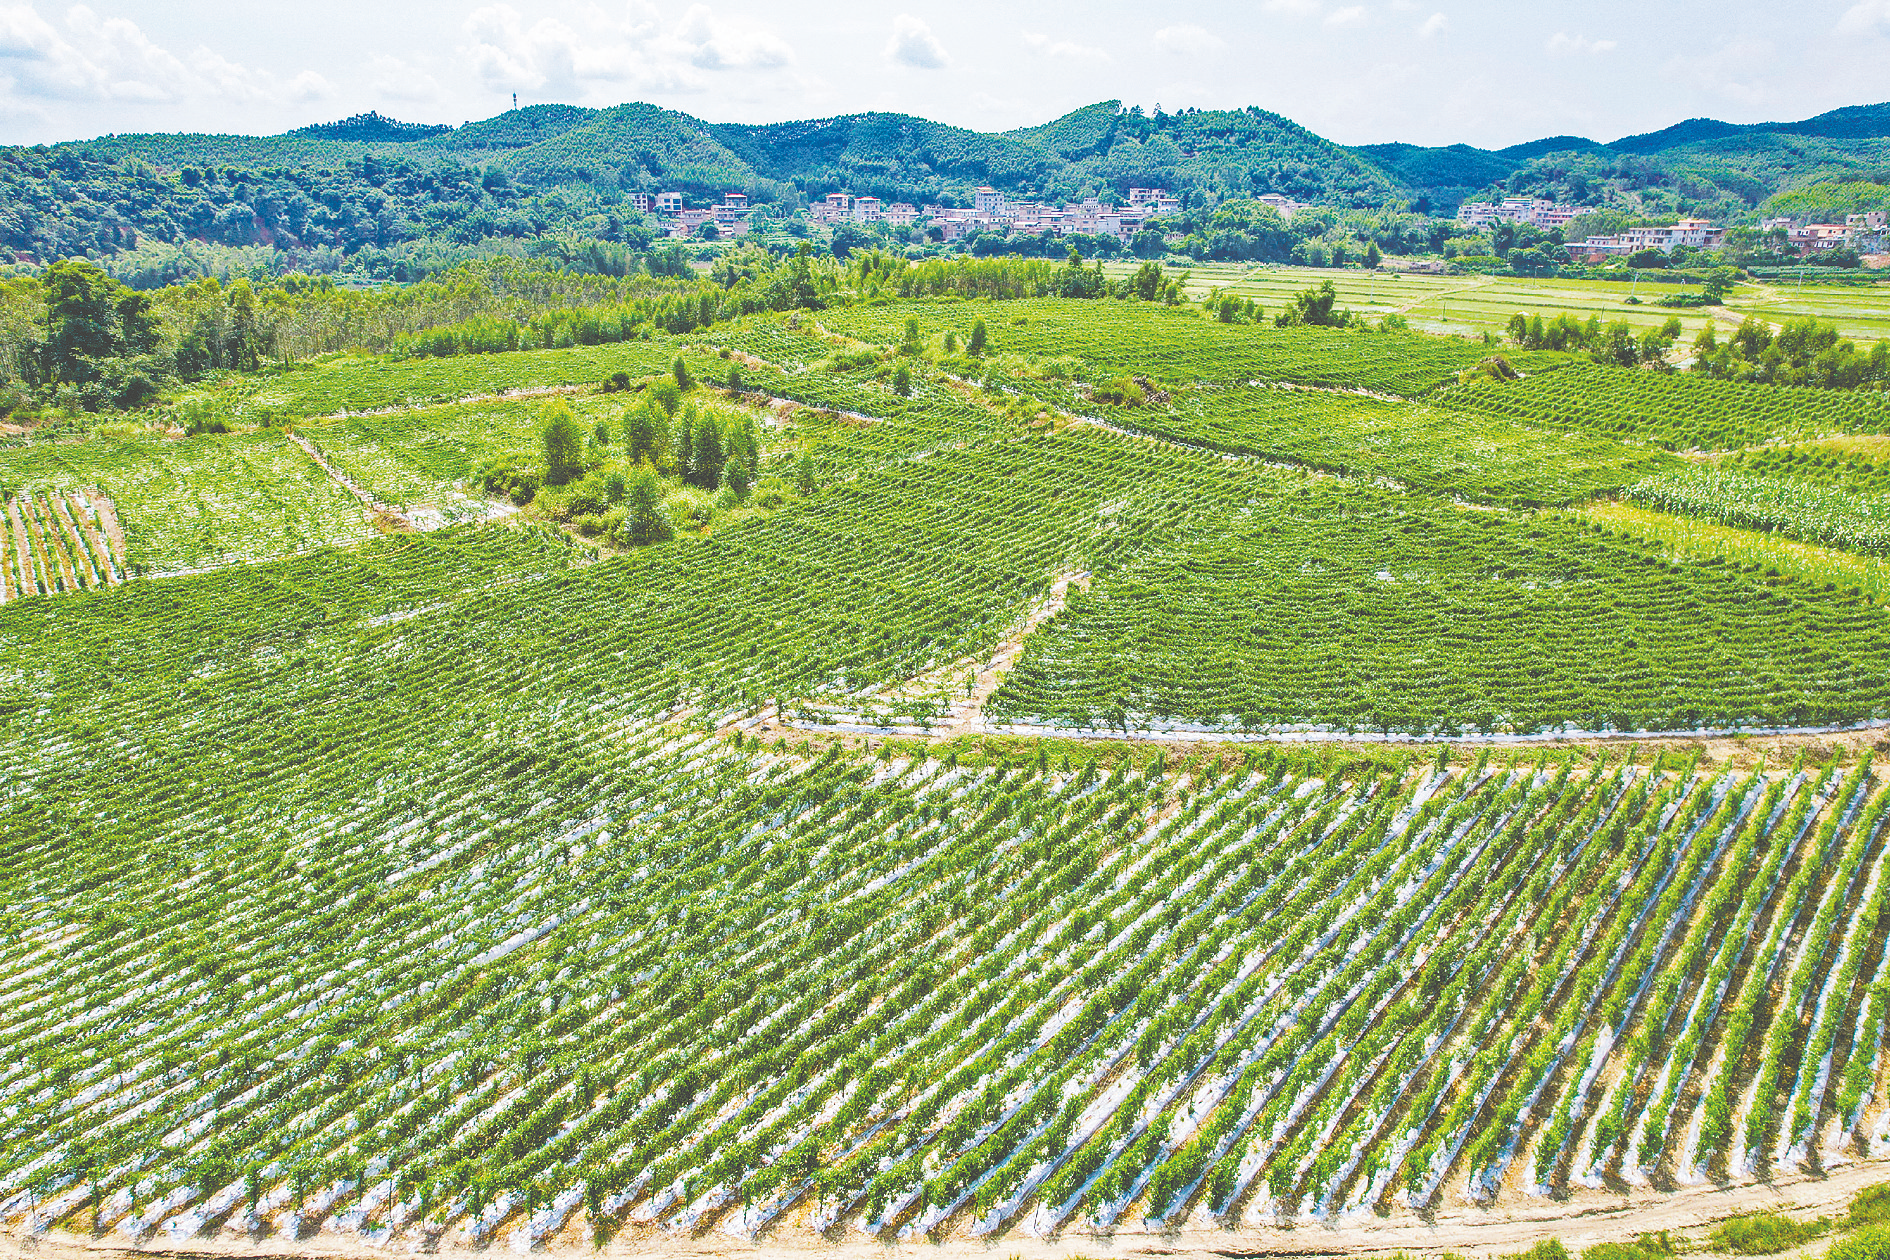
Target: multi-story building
1867, 222
1817, 237
1153, 201
988, 202
1283, 206
899, 214
689, 222
867, 210
1601, 246
669, 203
834, 208
1693, 233
1532, 210
640, 202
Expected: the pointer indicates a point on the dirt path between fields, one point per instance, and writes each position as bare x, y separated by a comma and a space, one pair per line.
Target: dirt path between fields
383, 516
504, 395
1582, 1221
970, 718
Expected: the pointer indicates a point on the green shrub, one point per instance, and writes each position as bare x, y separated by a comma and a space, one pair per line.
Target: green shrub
1869, 1243
667, 394
1871, 1206
1548, 1249
1760, 1234
562, 442
1645, 1247
1121, 392
513, 476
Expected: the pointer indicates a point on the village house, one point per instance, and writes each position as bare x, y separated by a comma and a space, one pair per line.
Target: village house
1531, 210
1282, 206
1815, 238
834, 208
1693, 233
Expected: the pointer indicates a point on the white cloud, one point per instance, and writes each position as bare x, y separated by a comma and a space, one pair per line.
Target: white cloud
637, 51
1866, 17
1742, 70
1064, 48
110, 59
1292, 8
400, 81
1564, 45
914, 45
1189, 41
1433, 26
1350, 15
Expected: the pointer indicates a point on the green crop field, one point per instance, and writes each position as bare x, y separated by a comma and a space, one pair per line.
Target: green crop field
1148, 775
1859, 311
1675, 411
189, 504
1460, 453
1471, 305
1178, 345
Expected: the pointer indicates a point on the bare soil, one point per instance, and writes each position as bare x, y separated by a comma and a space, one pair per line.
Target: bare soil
991, 676
108, 519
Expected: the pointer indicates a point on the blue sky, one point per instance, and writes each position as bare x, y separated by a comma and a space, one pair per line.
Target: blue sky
1427, 71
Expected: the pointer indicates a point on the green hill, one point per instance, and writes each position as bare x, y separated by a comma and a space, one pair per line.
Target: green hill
371, 182
629, 141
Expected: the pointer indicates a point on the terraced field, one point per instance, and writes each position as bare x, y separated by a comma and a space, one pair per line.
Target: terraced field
1051, 817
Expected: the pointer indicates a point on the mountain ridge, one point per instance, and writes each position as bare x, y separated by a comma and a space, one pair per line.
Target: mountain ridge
375, 181
905, 156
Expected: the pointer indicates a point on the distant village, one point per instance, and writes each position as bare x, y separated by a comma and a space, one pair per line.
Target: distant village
992, 211
1800, 238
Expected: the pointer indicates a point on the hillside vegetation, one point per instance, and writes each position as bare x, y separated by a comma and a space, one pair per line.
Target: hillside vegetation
412, 192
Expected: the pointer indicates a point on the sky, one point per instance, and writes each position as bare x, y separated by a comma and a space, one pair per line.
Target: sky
1424, 71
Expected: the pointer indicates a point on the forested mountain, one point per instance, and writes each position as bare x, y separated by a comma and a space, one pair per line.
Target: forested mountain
374, 183
1701, 166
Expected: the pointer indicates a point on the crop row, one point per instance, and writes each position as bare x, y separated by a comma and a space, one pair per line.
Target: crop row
1672, 410
311, 968
1460, 453
187, 504
1348, 608
1834, 465
472, 985
1177, 345
59, 542
1784, 505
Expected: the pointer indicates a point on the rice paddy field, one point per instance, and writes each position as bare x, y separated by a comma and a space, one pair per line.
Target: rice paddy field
1289, 791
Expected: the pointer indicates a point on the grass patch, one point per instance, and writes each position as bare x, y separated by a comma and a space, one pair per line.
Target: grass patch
1762, 1234
1871, 1206
1644, 1247
1688, 536
1869, 1243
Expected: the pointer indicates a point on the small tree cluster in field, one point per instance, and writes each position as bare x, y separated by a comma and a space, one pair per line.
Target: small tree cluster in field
671, 460
1803, 352
1613, 343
